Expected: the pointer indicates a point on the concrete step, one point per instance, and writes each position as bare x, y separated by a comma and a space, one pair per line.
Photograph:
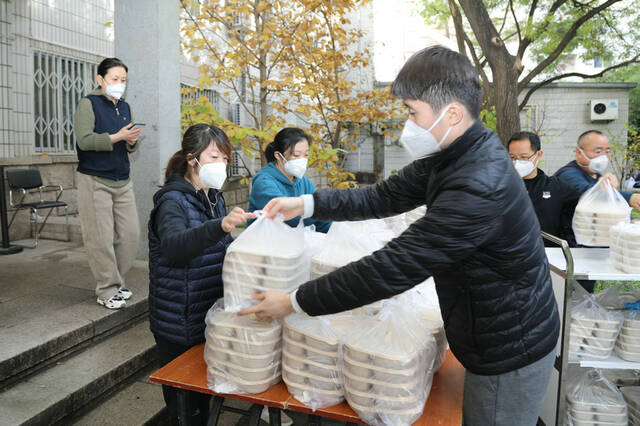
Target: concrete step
56, 392
48, 307
138, 402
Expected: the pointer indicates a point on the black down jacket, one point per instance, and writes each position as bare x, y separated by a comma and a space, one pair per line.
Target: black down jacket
479, 239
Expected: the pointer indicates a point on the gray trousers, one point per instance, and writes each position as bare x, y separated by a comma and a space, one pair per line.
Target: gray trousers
510, 399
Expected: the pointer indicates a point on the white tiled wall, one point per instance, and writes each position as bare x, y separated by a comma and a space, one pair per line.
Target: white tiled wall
71, 28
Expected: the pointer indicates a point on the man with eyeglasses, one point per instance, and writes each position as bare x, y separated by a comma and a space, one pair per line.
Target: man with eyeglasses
592, 158
554, 200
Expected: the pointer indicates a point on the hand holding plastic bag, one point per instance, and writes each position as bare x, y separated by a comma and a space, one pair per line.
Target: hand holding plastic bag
599, 208
268, 255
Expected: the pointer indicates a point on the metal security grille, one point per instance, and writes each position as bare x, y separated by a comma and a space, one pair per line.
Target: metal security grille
212, 96
58, 85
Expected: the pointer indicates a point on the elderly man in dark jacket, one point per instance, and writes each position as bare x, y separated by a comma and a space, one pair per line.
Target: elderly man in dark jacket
479, 239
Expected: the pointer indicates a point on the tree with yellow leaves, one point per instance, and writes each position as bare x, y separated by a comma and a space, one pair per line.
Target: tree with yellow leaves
284, 58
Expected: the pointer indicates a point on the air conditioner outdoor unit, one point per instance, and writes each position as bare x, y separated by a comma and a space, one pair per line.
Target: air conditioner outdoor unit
604, 109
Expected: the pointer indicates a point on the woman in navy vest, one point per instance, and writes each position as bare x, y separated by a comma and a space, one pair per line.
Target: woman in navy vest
106, 203
188, 236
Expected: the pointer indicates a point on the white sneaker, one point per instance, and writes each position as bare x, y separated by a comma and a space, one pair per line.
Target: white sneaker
125, 293
284, 419
115, 302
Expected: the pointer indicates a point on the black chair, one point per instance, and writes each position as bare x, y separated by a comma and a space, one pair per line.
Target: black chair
26, 181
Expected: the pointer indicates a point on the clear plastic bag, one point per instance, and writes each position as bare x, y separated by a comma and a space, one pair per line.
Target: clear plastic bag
594, 330
388, 367
268, 255
424, 301
242, 355
625, 247
312, 357
593, 399
599, 208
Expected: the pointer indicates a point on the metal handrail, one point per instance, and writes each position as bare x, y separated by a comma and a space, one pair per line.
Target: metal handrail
562, 362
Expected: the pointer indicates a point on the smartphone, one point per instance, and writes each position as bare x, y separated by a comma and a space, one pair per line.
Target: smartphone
137, 126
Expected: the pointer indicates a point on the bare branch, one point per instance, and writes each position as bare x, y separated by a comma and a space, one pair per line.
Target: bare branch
528, 40
515, 19
504, 18
564, 42
635, 59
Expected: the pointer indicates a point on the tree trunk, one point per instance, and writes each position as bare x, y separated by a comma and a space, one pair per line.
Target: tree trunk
505, 98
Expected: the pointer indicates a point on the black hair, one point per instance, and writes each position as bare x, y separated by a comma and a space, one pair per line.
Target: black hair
437, 75
588, 132
285, 139
194, 141
109, 63
534, 139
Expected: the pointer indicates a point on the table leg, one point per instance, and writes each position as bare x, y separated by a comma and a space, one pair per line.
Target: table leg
181, 395
274, 416
216, 409
254, 414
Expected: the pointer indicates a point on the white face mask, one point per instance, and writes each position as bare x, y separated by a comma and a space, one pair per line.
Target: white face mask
420, 142
523, 167
598, 164
115, 90
296, 167
212, 175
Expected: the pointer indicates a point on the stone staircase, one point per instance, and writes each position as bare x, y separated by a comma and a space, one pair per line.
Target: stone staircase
66, 360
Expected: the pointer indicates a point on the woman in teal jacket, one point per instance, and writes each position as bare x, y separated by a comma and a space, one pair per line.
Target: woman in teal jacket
288, 155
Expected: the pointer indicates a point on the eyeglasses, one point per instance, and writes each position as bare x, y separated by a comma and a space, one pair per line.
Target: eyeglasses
523, 157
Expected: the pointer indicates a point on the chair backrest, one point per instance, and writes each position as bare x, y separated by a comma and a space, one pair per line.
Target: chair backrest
24, 178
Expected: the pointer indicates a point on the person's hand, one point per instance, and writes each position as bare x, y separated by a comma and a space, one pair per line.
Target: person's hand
235, 218
124, 134
612, 180
634, 201
273, 304
289, 207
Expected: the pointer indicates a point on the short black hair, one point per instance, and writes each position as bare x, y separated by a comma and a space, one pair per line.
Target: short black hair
534, 140
437, 75
588, 132
109, 63
285, 139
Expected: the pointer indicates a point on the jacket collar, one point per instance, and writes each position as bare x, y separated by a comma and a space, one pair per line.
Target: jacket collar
99, 92
462, 143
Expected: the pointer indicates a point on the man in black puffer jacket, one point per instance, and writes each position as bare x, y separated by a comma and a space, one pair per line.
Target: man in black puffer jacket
479, 239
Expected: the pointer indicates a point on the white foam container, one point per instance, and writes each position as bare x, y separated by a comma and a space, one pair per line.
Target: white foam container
590, 416
231, 325
629, 347
627, 356
589, 351
600, 333
595, 323
302, 350
263, 258
631, 340
388, 416
311, 380
247, 386
577, 422
248, 374
263, 269
596, 407
245, 360
306, 365
378, 387
631, 332
592, 342
369, 399
246, 347
631, 323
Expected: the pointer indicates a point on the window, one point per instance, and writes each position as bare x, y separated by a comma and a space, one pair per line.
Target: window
212, 96
529, 118
237, 116
236, 164
597, 62
58, 85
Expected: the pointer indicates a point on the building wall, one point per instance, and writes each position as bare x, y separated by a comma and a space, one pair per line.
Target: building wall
561, 114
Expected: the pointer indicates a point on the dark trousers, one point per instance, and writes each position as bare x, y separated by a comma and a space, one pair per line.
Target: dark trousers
197, 403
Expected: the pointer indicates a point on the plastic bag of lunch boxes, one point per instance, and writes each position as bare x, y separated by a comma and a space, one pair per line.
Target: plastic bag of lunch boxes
242, 355
595, 400
268, 255
311, 357
600, 208
594, 330
388, 366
